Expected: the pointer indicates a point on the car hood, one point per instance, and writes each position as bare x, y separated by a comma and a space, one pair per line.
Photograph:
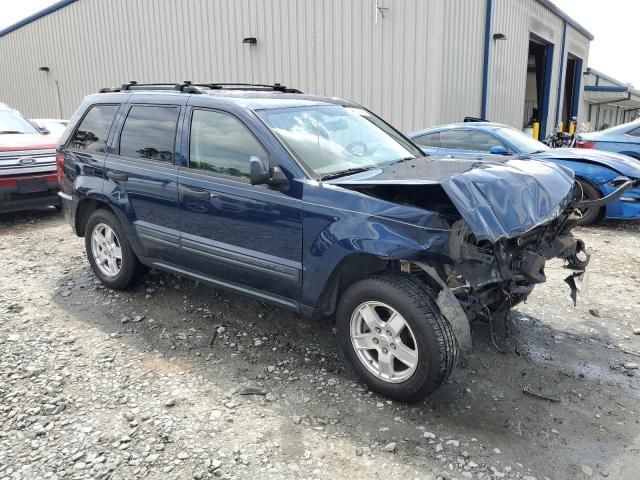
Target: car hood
497, 199
622, 164
25, 141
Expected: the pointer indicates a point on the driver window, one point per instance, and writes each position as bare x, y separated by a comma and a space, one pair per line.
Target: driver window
468, 140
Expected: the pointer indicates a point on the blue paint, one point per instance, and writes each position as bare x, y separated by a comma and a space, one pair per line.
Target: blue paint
562, 68
36, 16
487, 53
605, 88
548, 69
576, 90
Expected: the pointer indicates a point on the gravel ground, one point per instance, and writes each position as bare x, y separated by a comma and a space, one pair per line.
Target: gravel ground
177, 380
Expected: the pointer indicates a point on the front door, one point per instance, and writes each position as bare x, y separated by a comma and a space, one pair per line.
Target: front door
142, 178
249, 236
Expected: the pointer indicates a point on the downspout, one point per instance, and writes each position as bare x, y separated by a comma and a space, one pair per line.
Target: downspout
487, 51
561, 73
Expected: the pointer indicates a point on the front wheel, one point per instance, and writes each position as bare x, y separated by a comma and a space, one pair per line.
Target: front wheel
395, 336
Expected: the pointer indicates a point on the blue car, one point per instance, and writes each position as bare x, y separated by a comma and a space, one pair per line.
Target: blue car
623, 139
316, 205
597, 171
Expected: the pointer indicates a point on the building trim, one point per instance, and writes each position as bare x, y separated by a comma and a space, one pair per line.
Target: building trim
562, 72
551, 6
487, 54
605, 88
36, 16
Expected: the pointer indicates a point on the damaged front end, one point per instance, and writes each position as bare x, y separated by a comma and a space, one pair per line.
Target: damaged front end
506, 219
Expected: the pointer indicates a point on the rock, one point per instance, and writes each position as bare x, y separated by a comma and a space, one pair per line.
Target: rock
454, 443
182, 455
636, 331
390, 447
221, 330
170, 402
529, 477
428, 435
77, 456
359, 451
630, 366
271, 368
137, 318
594, 311
588, 471
257, 343
252, 390
496, 450
215, 464
296, 419
271, 397
439, 447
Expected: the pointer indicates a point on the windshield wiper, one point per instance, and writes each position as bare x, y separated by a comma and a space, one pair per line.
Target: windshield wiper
343, 173
537, 151
10, 131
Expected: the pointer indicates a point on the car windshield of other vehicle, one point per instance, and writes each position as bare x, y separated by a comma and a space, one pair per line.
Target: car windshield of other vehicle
331, 139
521, 142
12, 122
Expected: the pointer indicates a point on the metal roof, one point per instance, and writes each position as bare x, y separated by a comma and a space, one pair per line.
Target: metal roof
63, 3
555, 9
36, 16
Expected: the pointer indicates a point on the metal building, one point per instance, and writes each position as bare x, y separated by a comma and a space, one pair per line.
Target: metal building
416, 62
608, 102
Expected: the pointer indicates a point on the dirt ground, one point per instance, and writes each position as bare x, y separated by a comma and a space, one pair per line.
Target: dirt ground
152, 382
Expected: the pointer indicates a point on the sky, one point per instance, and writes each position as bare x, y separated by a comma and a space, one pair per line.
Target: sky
614, 24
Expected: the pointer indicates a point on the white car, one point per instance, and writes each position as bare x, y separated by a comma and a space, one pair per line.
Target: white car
54, 126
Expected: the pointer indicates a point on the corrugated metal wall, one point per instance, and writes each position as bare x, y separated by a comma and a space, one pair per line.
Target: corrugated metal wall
416, 62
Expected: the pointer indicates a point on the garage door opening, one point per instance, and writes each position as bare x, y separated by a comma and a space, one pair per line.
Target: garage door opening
571, 89
539, 65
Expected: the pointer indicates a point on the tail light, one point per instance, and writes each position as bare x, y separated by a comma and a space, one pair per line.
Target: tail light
60, 167
585, 144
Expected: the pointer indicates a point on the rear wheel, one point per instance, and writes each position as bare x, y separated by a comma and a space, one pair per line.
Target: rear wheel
398, 342
109, 252
586, 191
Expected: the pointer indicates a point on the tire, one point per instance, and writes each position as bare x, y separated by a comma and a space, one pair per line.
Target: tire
589, 215
425, 328
129, 265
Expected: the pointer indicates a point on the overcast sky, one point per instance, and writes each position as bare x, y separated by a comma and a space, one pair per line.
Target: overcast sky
614, 23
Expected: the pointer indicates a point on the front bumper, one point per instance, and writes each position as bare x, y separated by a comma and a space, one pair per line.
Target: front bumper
16, 193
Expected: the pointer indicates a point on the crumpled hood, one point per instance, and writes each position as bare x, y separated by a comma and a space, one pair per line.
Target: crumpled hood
497, 199
622, 164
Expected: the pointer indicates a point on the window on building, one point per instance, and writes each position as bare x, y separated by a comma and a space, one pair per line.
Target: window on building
93, 130
468, 140
222, 144
149, 133
428, 140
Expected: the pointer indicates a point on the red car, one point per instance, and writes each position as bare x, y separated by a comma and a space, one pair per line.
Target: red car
28, 177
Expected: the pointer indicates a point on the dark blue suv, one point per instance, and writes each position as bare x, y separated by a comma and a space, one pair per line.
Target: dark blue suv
317, 205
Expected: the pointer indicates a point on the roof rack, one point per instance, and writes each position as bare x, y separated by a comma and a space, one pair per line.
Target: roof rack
189, 87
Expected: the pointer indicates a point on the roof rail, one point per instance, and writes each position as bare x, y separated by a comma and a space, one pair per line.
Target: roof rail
189, 87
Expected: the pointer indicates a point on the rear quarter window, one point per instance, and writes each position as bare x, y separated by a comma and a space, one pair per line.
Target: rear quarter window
93, 130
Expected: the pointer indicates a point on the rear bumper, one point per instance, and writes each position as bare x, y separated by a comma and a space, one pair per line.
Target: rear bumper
69, 209
42, 192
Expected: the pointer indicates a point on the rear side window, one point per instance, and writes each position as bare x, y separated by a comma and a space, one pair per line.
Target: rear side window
149, 133
93, 130
468, 140
222, 144
428, 140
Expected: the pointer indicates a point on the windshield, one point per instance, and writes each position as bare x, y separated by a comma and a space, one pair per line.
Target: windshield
329, 139
12, 122
521, 142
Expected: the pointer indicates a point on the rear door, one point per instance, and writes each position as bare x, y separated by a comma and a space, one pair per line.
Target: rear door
429, 143
249, 235
142, 175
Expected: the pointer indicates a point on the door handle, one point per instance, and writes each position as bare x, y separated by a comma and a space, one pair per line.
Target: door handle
119, 176
195, 193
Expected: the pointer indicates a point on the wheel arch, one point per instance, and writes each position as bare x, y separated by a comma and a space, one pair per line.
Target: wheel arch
85, 208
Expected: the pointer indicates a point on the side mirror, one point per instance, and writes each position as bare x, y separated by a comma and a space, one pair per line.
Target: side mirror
259, 175
499, 150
